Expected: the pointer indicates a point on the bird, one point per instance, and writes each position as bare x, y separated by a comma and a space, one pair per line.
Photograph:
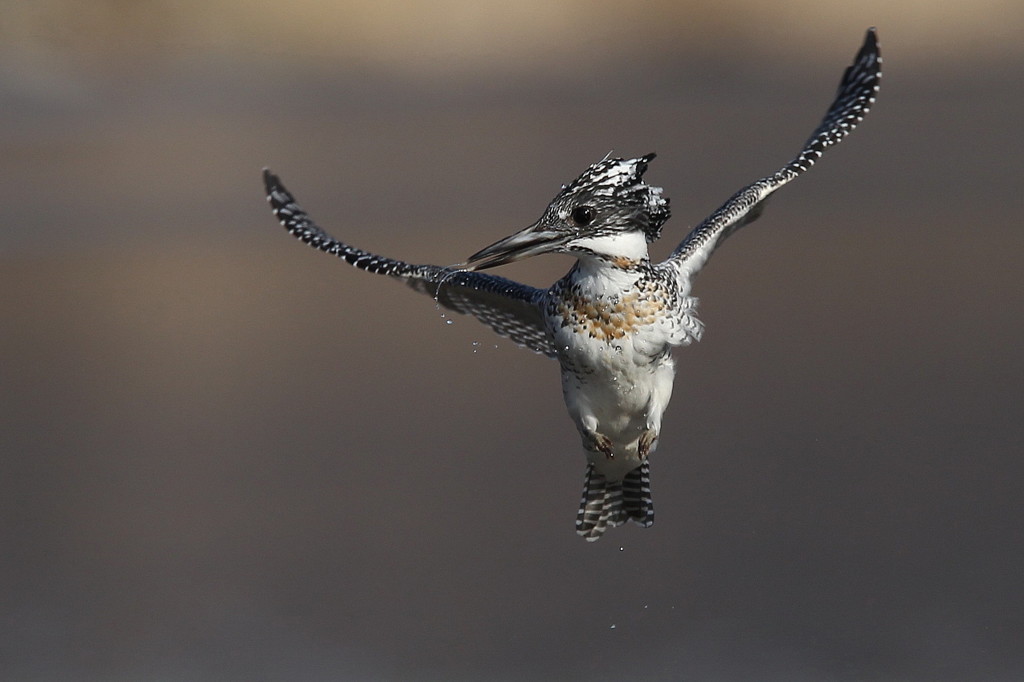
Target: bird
614, 319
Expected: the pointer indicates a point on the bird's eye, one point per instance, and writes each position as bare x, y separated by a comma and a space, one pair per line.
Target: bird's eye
582, 215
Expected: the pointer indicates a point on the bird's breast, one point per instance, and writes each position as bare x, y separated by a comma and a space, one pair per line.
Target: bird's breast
606, 319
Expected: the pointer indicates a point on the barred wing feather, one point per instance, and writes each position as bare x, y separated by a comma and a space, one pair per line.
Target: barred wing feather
511, 309
854, 98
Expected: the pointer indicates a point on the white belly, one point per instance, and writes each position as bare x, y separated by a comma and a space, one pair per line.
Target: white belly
614, 330
613, 390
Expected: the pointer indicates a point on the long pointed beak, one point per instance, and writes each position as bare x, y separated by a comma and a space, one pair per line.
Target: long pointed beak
532, 241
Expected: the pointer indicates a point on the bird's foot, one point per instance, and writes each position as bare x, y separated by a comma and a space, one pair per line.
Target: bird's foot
602, 444
646, 443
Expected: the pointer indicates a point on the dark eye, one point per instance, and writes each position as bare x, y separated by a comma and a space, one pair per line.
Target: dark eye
582, 215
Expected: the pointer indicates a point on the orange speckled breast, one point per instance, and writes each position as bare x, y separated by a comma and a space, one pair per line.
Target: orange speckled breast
608, 320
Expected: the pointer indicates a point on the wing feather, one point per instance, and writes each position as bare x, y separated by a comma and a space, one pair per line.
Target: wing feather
511, 309
855, 95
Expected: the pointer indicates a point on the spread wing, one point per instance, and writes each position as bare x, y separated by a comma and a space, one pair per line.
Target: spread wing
511, 309
854, 98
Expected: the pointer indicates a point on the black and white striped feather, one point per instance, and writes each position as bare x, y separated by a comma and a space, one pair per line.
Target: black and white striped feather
606, 504
855, 95
511, 309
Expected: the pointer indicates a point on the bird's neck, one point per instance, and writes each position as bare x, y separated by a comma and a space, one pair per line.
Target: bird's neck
620, 249
609, 264
607, 276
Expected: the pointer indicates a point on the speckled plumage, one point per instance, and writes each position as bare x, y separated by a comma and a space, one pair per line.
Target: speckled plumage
615, 317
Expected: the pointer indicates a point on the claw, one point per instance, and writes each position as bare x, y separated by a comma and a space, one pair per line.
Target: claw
646, 444
603, 445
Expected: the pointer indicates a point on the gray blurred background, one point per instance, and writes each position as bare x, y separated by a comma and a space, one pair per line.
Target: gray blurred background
224, 456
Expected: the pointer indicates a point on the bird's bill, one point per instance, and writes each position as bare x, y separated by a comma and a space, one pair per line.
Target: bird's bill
532, 241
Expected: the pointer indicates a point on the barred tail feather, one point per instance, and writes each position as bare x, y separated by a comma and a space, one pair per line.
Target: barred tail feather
636, 495
607, 504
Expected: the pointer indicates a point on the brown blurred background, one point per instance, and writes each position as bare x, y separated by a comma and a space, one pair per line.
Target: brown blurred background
224, 456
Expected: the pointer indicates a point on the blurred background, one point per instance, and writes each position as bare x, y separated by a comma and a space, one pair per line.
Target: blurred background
224, 456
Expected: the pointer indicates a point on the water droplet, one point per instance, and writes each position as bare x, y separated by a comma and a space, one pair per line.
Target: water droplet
449, 321
612, 627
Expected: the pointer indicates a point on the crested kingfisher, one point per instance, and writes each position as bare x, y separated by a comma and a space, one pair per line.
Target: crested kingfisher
612, 321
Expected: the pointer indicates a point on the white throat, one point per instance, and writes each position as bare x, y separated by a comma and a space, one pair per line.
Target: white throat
628, 245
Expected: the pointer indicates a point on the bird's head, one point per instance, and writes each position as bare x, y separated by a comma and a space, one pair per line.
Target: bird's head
607, 212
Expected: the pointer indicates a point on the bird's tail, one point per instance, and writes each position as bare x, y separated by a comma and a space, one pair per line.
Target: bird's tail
607, 503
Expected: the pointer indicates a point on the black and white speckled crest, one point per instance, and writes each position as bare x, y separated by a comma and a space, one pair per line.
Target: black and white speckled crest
618, 195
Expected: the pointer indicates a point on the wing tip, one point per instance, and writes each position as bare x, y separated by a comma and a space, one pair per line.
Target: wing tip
870, 46
270, 181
